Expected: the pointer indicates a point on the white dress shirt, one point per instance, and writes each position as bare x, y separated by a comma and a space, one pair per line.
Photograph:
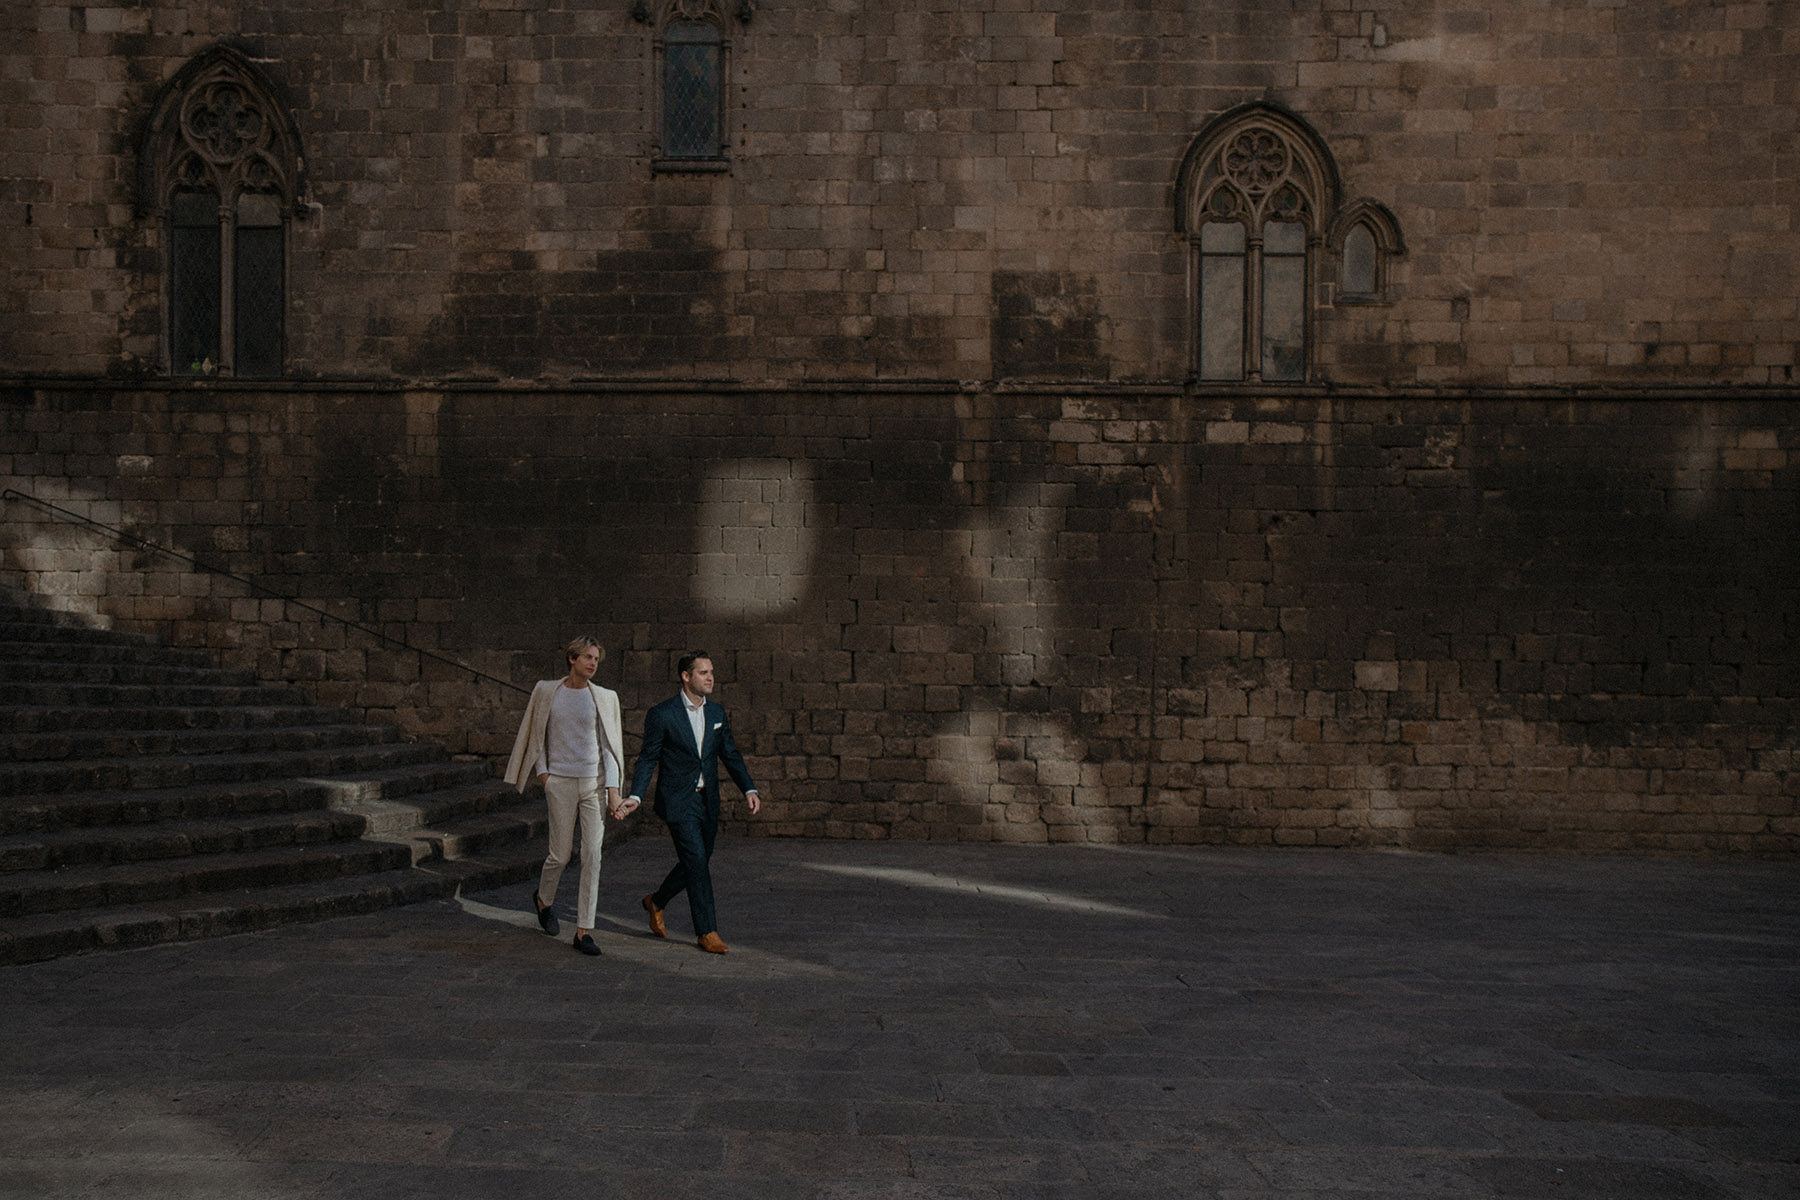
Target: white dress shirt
696, 714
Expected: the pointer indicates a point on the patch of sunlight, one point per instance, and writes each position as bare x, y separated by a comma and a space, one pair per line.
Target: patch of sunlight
626, 940
754, 540
1043, 898
493, 912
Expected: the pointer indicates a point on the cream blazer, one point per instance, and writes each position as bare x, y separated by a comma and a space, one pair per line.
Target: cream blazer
529, 749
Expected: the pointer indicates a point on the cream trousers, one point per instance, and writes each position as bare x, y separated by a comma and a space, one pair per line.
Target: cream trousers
570, 799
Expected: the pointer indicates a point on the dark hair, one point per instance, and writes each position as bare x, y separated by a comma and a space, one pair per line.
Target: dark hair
688, 660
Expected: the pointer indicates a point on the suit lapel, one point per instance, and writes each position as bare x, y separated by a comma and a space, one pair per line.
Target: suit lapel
683, 727
605, 739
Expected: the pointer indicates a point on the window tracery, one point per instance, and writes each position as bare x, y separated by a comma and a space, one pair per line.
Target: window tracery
1254, 194
221, 174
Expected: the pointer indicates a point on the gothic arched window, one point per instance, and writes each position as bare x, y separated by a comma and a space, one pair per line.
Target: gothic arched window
221, 172
1367, 240
1255, 192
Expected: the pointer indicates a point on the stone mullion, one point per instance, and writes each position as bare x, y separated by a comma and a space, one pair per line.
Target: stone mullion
227, 285
1309, 311
1253, 297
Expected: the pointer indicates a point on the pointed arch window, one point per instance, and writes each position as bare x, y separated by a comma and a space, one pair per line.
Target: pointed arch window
1254, 192
221, 176
1361, 264
1367, 240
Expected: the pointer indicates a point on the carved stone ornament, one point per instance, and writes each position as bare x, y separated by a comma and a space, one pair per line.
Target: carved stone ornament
222, 124
691, 10
1254, 164
1256, 160
218, 127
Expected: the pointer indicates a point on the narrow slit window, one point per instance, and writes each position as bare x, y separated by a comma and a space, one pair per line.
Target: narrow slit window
1359, 263
692, 90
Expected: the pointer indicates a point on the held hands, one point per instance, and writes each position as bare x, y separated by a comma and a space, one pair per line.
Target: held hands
624, 808
617, 807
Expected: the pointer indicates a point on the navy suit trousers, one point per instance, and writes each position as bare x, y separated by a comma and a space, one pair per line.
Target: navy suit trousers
692, 873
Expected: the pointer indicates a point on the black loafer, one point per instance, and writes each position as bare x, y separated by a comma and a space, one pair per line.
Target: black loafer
546, 917
585, 943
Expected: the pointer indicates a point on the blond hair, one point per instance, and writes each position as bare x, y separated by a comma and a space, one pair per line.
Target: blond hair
573, 650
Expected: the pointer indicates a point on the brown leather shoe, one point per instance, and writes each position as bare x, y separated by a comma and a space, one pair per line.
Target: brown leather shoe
656, 925
710, 943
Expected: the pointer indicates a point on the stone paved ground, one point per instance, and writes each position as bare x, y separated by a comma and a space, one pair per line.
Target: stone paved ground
919, 1020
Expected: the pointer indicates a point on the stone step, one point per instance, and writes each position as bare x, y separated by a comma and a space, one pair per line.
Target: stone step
520, 832
94, 809
29, 779
17, 625
445, 824
147, 795
76, 747
61, 693
462, 821
124, 674
23, 893
53, 935
455, 823
86, 847
29, 719
59, 650
393, 812
14, 612
408, 817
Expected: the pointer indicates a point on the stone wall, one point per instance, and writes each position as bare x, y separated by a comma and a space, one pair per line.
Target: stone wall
1007, 614
1586, 192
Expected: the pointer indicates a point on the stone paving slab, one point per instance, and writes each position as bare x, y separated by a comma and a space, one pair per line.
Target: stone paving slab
901, 1021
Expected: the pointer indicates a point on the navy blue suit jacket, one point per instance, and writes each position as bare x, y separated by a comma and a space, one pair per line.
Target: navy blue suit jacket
668, 750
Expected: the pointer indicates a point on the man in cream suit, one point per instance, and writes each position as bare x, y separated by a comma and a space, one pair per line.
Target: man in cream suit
686, 737
570, 741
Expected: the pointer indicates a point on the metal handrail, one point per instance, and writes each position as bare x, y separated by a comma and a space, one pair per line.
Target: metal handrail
133, 539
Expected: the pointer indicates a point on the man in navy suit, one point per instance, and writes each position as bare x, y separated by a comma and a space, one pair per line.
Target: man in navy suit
686, 737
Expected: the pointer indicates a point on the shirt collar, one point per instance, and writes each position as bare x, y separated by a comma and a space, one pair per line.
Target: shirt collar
692, 708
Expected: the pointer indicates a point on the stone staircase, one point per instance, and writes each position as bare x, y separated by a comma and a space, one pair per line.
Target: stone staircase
146, 795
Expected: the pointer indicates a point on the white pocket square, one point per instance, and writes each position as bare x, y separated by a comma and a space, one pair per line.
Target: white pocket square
719, 725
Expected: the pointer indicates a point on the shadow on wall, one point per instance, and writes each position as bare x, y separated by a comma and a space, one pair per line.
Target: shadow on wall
1378, 626
65, 565
1034, 618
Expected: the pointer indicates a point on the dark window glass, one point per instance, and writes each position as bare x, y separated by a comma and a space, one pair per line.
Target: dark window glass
1222, 300
257, 290
194, 282
1284, 301
691, 90
1359, 262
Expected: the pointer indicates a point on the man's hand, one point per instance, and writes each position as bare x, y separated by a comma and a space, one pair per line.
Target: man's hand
543, 779
754, 801
617, 807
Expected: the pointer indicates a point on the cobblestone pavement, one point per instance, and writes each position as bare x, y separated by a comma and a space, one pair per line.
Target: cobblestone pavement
928, 1020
